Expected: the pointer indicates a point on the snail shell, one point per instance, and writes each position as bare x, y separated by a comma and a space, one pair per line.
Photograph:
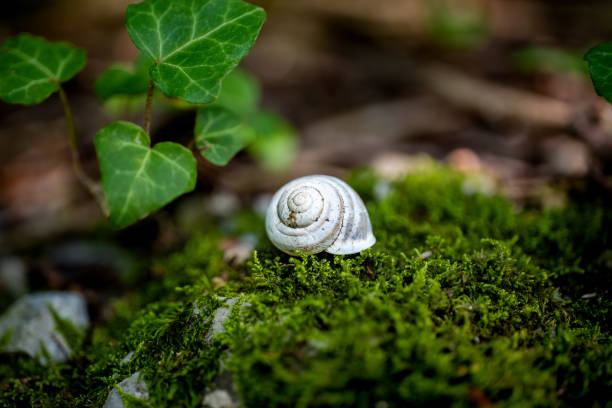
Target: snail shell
318, 213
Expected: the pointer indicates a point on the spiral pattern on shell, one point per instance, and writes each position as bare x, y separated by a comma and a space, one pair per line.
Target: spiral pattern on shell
318, 213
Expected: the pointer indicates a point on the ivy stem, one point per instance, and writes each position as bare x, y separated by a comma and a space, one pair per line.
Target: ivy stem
93, 187
148, 105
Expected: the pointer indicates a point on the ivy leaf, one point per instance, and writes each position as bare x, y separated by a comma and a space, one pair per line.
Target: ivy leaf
239, 92
276, 143
136, 178
124, 79
32, 68
220, 134
549, 60
194, 43
600, 68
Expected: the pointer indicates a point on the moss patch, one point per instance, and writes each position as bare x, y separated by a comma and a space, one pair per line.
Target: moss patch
463, 301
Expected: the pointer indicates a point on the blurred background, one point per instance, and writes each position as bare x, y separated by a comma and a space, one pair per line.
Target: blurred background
495, 88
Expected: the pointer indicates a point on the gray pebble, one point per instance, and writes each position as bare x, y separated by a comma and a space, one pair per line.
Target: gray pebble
33, 327
134, 385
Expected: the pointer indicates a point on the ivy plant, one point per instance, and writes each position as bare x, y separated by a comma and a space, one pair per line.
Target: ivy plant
189, 49
220, 134
31, 68
600, 68
124, 79
224, 127
193, 43
139, 179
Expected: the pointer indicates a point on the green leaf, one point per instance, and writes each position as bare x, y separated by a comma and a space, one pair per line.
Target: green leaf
122, 106
220, 134
549, 60
136, 178
124, 79
275, 145
194, 43
239, 92
32, 68
458, 28
600, 68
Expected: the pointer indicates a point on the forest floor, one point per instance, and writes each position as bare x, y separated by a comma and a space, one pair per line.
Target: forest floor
465, 300
490, 280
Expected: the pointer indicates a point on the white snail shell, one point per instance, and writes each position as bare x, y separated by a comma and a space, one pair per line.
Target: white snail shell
318, 213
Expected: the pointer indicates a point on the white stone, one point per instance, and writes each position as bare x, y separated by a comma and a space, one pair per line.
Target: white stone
128, 357
134, 385
13, 276
223, 203
222, 392
33, 326
382, 189
219, 399
221, 315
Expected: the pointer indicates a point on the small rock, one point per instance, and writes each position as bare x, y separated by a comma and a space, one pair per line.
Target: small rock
128, 357
223, 203
13, 276
465, 160
393, 166
220, 316
382, 189
218, 399
426, 254
566, 156
134, 385
33, 326
222, 392
478, 184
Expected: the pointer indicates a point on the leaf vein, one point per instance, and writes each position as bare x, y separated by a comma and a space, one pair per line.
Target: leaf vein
33, 61
171, 162
207, 34
128, 198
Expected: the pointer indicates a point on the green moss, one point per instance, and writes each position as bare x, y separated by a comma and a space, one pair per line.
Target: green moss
72, 334
132, 402
463, 301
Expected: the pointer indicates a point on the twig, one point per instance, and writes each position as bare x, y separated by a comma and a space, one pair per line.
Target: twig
149, 103
93, 187
494, 101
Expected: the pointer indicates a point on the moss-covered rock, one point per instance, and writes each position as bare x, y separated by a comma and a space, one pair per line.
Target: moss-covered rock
464, 301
